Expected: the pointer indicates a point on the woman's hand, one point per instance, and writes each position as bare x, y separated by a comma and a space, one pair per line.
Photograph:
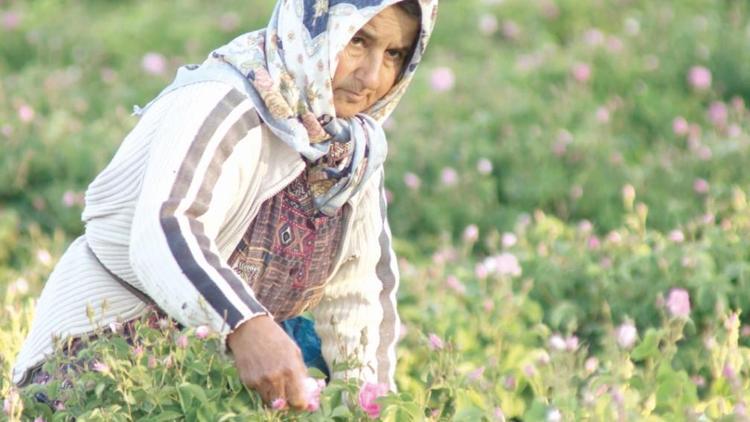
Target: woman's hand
269, 362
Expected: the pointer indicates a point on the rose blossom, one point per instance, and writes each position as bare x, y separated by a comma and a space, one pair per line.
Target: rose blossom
582, 72
484, 166
449, 176
436, 343
182, 342
700, 186
412, 181
368, 395
313, 387
680, 126
699, 78
202, 332
626, 335
154, 63
678, 303
442, 79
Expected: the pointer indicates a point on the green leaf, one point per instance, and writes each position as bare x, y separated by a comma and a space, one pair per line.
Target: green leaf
648, 347
341, 412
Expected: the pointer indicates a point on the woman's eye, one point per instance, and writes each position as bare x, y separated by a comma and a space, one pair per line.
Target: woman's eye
357, 41
395, 54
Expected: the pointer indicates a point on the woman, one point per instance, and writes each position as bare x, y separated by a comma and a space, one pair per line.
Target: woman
251, 191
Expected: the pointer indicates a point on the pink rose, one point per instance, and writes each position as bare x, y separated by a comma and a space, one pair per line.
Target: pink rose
202, 332
626, 335
442, 79
154, 63
699, 78
313, 387
678, 303
680, 126
278, 404
436, 343
368, 395
582, 72
182, 342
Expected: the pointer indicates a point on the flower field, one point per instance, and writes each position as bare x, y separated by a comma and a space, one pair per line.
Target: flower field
566, 191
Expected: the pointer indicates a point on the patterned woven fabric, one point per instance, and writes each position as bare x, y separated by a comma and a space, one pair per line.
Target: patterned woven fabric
288, 251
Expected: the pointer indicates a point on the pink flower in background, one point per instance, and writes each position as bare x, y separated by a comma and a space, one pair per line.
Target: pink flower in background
626, 335
313, 387
7, 406
39, 419
506, 264
442, 79
449, 176
554, 415
582, 72
699, 78
100, 367
678, 303
202, 331
615, 44
138, 351
368, 395
700, 186
278, 404
676, 236
471, 233
557, 342
182, 342
571, 343
511, 30
593, 37
488, 305
593, 243
455, 285
43, 256
680, 126
585, 226
508, 240
602, 115
476, 374
154, 63
412, 181
25, 113
436, 343
488, 24
484, 166
591, 364
703, 152
718, 113
10, 20
6, 130
68, 199
152, 362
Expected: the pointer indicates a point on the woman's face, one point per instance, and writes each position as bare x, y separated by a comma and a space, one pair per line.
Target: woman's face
372, 61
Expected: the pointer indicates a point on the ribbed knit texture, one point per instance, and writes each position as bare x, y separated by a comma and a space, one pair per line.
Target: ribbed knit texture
168, 211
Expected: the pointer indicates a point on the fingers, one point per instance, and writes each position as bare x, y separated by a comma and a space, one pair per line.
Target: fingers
295, 393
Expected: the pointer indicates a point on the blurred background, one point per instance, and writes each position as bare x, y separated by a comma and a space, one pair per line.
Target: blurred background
603, 144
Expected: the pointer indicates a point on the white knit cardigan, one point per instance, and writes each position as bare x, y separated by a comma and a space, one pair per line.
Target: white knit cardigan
168, 211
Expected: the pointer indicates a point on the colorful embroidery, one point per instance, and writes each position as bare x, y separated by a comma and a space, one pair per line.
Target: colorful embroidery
288, 251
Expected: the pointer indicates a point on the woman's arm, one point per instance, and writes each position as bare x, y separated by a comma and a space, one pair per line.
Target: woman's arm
203, 159
204, 134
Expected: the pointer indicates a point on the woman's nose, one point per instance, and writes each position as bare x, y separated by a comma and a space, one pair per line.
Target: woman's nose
369, 72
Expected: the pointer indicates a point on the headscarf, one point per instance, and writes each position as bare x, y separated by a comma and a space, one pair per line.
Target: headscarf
291, 63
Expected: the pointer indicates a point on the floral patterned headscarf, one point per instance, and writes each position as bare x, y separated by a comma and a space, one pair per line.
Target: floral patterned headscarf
291, 63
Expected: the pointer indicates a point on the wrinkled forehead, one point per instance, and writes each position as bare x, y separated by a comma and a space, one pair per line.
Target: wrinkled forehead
339, 19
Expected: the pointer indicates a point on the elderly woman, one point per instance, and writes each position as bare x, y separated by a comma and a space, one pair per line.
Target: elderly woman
251, 191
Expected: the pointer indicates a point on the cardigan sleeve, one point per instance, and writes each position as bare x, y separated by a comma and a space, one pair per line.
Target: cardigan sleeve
357, 318
203, 133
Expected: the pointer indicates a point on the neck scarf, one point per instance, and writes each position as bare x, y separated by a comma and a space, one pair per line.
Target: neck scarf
291, 63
